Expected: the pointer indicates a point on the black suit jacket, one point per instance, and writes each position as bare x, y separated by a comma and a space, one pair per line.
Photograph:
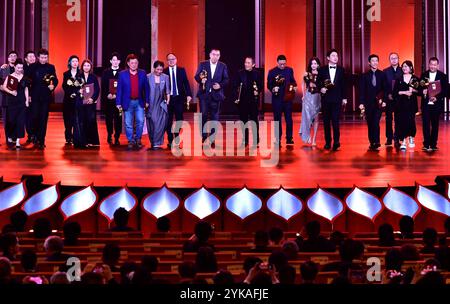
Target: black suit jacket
38, 87
390, 76
368, 93
69, 90
336, 94
220, 76
183, 85
106, 77
443, 78
242, 78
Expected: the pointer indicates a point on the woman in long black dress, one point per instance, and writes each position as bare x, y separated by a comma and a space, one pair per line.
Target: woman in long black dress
71, 85
85, 129
405, 96
17, 101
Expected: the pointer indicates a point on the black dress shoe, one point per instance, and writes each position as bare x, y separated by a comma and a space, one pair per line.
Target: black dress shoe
116, 142
327, 147
426, 149
434, 148
336, 147
388, 143
109, 140
41, 147
290, 142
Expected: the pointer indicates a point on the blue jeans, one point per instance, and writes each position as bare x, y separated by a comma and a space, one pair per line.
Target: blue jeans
134, 114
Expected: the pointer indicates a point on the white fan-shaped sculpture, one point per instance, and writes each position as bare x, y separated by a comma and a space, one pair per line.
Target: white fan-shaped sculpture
41, 200
78, 202
363, 203
12, 196
120, 199
161, 202
325, 204
400, 203
202, 203
432, 200
284, 204
244, 203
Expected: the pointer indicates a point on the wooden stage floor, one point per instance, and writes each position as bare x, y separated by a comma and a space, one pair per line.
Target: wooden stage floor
299, 167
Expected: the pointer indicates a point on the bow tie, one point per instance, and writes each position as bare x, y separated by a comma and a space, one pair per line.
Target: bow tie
332, 67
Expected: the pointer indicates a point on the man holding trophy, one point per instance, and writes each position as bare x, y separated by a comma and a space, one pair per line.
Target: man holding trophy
371, 100
212, 77
43, 83
282, 84
249, 86
432, 103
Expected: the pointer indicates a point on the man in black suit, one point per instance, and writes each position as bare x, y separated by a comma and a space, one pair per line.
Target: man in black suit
43, 83
113, 116
180, 93
30, 58
391, 74
212, 77
432, 107
371, 100
248, 86
331, 80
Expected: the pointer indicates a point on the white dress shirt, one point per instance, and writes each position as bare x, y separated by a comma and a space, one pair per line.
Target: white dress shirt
213, 69
433, 76
332, 72
173, 86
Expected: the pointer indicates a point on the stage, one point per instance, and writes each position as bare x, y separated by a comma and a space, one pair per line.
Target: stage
299, 166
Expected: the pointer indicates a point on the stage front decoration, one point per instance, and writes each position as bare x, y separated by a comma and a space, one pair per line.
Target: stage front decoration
432, 200
363, 203
324, 204
41, 201
120, 199
400, 203
161, 202
78, 202
12, 196
284, 204
202, 203
244, 203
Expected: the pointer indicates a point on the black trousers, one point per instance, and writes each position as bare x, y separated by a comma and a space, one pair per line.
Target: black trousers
210, 109
113, 119
248, 111
16, 122
29, 122
391, 120
40, 109
373, 117
4, 119
331, 116
279, 106
69, 119
176, 108
430, 119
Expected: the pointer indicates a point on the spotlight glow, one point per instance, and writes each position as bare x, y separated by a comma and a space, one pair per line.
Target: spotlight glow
433, 200
363, 203
122, 198
400, 203
284, 204
202, 203
12, 196
244, 203
78, 202
325, 204
41, 200
161, 203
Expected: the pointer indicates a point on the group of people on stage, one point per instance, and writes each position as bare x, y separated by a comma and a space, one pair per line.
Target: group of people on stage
156, 99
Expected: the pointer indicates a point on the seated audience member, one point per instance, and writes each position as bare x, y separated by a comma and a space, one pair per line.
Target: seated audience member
386, 236
336, 238
349, 252
278, 260
42, 228
59, 278
206, 261
276, 236
290, 249
127, 271
8, 228
6, 272
163, 224
287, 275
261, 242
430, 274
410, 253
393, 267
121, 216
202, 233
223, 277
28, 260
39, 280
111, 256
406, 227
149, 263
54, 247
443, 255
95, 274
430, 237
141, 277
309, 271
262, 274
72, 231
18, 220
92, 278
251, 262
187, 271
316, 242
9, 244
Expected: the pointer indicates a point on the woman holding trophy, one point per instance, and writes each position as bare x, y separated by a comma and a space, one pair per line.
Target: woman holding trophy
405, 94
311, 103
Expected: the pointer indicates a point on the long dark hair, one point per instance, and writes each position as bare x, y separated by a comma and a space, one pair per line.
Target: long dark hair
410, 64
69, 66
309, 69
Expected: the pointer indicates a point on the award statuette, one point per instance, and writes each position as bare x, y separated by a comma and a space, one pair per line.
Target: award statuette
49, 79
203, 75
255, 90
75, 83
309, 79
328, 84
279, 81
289, 94
238, 100
87, 92
434, 89
113, 86
12, 83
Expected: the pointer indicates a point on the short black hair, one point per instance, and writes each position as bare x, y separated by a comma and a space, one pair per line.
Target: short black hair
72, 231
158, 63
313, 229
18, 219
434, 59
203, 231
407, 226
287, 275
114, 54
309, 270
121, 216
28, 260
28, 53
187, 269
42, 228
276, 234
281, 57
43, 52
261, 238
111, 253
430, 236
149, 263
332, 51
214, 49
171, 53
18, 61
163, 224
251, 262
373, 56
409, 64
13, 53
251, 58
223, 277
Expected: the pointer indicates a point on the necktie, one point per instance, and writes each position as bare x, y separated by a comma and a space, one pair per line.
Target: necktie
174, 83
332, 67
374, 79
